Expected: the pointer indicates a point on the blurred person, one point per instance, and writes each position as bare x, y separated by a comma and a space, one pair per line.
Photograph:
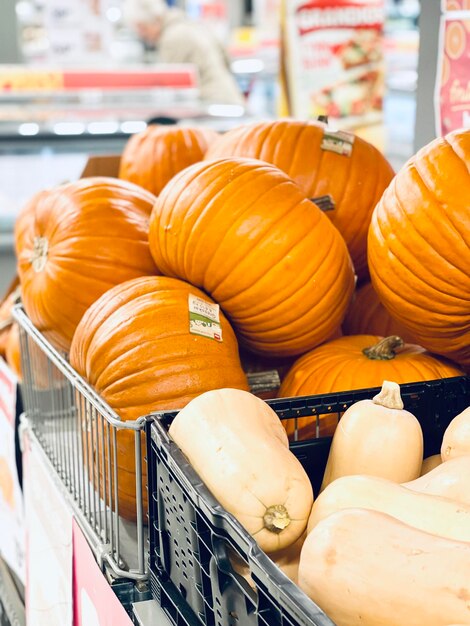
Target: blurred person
179, 40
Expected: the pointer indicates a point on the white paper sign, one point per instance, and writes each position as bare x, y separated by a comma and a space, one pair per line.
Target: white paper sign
49, 545
12, 535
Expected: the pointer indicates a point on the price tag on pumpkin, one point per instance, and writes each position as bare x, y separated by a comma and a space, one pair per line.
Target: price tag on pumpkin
204, 318
338, 141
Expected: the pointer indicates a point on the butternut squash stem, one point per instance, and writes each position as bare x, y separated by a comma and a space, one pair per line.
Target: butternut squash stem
389, 396
385, 349
276, 518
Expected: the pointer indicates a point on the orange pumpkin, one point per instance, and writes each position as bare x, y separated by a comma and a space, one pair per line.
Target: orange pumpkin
6, 320
419, 247
151, 158
135, 348
368, 316
355, 181
357, 362
12, 351
246, 234
74, 243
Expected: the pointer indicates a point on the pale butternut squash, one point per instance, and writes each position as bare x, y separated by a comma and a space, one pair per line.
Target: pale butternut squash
239, 448
286, 559
432, 514
449, 479
377, 437
456, 440
430, 463
369, 569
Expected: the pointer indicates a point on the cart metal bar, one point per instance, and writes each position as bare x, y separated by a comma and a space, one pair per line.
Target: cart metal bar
78, 433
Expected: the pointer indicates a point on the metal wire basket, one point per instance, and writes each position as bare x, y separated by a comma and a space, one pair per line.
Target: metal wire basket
78, 432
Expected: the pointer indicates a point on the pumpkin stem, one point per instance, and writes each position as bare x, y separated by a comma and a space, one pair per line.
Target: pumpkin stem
385, 349
389, 396
276, 518
39, 256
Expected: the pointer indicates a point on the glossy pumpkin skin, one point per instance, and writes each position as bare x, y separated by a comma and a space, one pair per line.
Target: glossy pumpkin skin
340, 365
151, 158
245, 233
368, 316
134, 347
355, 182
74, 243
419, 247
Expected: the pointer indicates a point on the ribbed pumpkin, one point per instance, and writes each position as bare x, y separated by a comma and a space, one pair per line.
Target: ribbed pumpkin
368, 316
244, 232
134, 347
355, 182
151, 158
357, 362
75, 242
419, 247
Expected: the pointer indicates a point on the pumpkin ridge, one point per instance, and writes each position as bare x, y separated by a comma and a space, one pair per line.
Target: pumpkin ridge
185, 358
450, 140
314, 184
412, 302
166, 216
266, 235
298, 156
185, 243
312, 278
406, 216
235, 225
120, 386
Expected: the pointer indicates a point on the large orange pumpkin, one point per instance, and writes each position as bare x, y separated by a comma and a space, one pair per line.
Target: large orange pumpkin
244, 232
355, 179
357, 362
419, 247
151, 158
75, 242
368, 316
135, 347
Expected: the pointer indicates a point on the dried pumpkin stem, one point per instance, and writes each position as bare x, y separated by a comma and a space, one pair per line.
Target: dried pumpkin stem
39, 256
276, 518
385, 349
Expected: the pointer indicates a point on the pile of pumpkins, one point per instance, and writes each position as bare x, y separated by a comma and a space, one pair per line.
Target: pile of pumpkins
387, 541
271, 225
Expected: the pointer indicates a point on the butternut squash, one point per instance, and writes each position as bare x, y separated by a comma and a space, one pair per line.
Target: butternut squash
433, 514
456, 440
430, 463
286, 559
367, 568
450, 480
377, 437
239, 448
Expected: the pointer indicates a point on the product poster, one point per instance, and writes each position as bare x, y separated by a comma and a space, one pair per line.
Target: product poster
95, 603
334, 59
12, 537
48, 544
452, 94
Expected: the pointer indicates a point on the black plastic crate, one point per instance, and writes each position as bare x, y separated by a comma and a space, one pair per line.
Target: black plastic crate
191, 535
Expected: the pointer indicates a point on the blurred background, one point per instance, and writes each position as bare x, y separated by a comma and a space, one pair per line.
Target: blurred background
76, 80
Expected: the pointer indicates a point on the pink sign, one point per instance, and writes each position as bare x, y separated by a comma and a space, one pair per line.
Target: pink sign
453, 78
95, 603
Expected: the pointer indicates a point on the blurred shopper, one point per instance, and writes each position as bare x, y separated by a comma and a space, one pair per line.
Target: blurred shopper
179, 40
